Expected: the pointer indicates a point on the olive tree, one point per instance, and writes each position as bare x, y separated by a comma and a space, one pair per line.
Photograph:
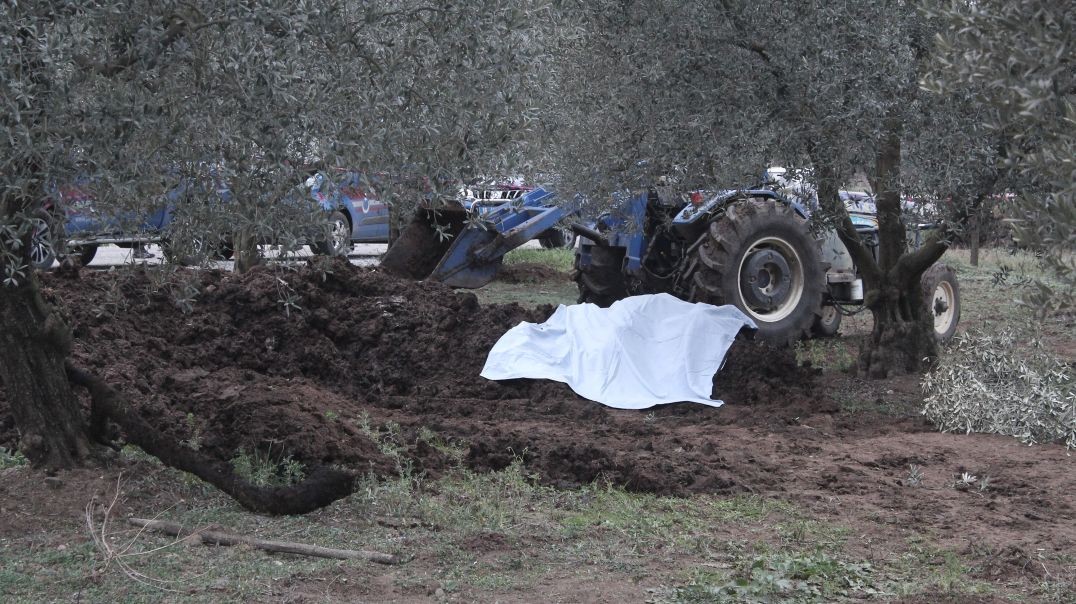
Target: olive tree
712, 93
1016, 57
142, 98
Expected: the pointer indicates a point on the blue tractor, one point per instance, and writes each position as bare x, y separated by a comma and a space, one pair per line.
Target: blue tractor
752, 248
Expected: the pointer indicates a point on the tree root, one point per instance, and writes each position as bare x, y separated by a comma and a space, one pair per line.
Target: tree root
321, 487
217, 537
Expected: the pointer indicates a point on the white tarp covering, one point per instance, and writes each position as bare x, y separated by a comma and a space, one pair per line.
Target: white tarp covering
641, 351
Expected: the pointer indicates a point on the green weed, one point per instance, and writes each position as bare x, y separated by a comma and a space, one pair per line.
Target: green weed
263, 469
12, 459
780, 577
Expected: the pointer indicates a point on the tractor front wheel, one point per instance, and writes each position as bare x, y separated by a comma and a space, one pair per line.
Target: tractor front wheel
827, 324
941, 296
760, 257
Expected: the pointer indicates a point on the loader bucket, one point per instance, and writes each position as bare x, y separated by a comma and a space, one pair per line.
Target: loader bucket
471, 256
420, 247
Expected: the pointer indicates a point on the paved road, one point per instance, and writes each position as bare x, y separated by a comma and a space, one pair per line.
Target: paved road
364, 254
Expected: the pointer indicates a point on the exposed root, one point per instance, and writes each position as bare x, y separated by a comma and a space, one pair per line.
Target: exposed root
321, 487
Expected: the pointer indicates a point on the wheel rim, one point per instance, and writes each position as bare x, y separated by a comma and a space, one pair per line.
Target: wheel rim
829, 315
40, 244
943, 307
340, 234
771, 279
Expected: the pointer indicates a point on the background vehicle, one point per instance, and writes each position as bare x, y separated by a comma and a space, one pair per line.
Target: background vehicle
355, 213
71, 224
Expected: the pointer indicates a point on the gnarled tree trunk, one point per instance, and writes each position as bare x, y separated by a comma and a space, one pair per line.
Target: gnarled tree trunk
33, 346
902, 339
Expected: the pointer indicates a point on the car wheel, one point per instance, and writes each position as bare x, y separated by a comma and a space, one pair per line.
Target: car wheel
83, 253
42, 242
339, 241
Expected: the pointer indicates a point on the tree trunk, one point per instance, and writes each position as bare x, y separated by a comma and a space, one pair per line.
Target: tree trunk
33, 346
973, 242
246, 252
902, 339
322, 486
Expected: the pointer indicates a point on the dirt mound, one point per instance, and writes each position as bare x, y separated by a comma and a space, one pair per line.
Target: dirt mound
325, 365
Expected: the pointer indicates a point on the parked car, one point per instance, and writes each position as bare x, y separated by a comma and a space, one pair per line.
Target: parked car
355, 213
71, 224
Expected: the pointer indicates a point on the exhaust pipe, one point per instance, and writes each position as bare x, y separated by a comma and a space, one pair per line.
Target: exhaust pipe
589, 233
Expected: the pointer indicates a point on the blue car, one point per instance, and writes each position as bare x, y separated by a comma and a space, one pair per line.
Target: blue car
69, 220
355, 213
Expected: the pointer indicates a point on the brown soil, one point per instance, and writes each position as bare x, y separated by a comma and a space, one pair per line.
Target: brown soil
368, 348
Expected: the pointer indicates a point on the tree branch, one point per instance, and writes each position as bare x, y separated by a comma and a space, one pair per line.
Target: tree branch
176, 28
912, 265
217, 537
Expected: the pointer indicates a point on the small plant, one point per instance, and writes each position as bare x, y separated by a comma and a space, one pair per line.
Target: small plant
263, 470
195, 441
331, 416
12, 459
452, 449
288, 297
915, 476
965, 481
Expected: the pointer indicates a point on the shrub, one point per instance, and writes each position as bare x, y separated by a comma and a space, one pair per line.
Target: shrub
1002, 384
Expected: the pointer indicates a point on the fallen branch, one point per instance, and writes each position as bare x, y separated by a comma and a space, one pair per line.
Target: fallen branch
215, 537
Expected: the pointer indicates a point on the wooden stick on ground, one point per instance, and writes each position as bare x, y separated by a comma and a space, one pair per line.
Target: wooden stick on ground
215, 537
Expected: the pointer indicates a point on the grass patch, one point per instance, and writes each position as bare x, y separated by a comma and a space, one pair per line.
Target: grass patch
529, 294
925, 568
263, 469
828, 354
558, 259
479, 537
779, 577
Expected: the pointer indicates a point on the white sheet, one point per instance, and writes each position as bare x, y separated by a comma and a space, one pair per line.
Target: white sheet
641, 351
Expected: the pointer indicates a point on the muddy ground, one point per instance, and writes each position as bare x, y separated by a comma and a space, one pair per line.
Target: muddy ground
360, 348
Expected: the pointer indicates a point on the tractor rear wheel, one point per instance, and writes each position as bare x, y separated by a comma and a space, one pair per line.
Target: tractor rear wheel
761, 258
602, 282
556, 238
941, 296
